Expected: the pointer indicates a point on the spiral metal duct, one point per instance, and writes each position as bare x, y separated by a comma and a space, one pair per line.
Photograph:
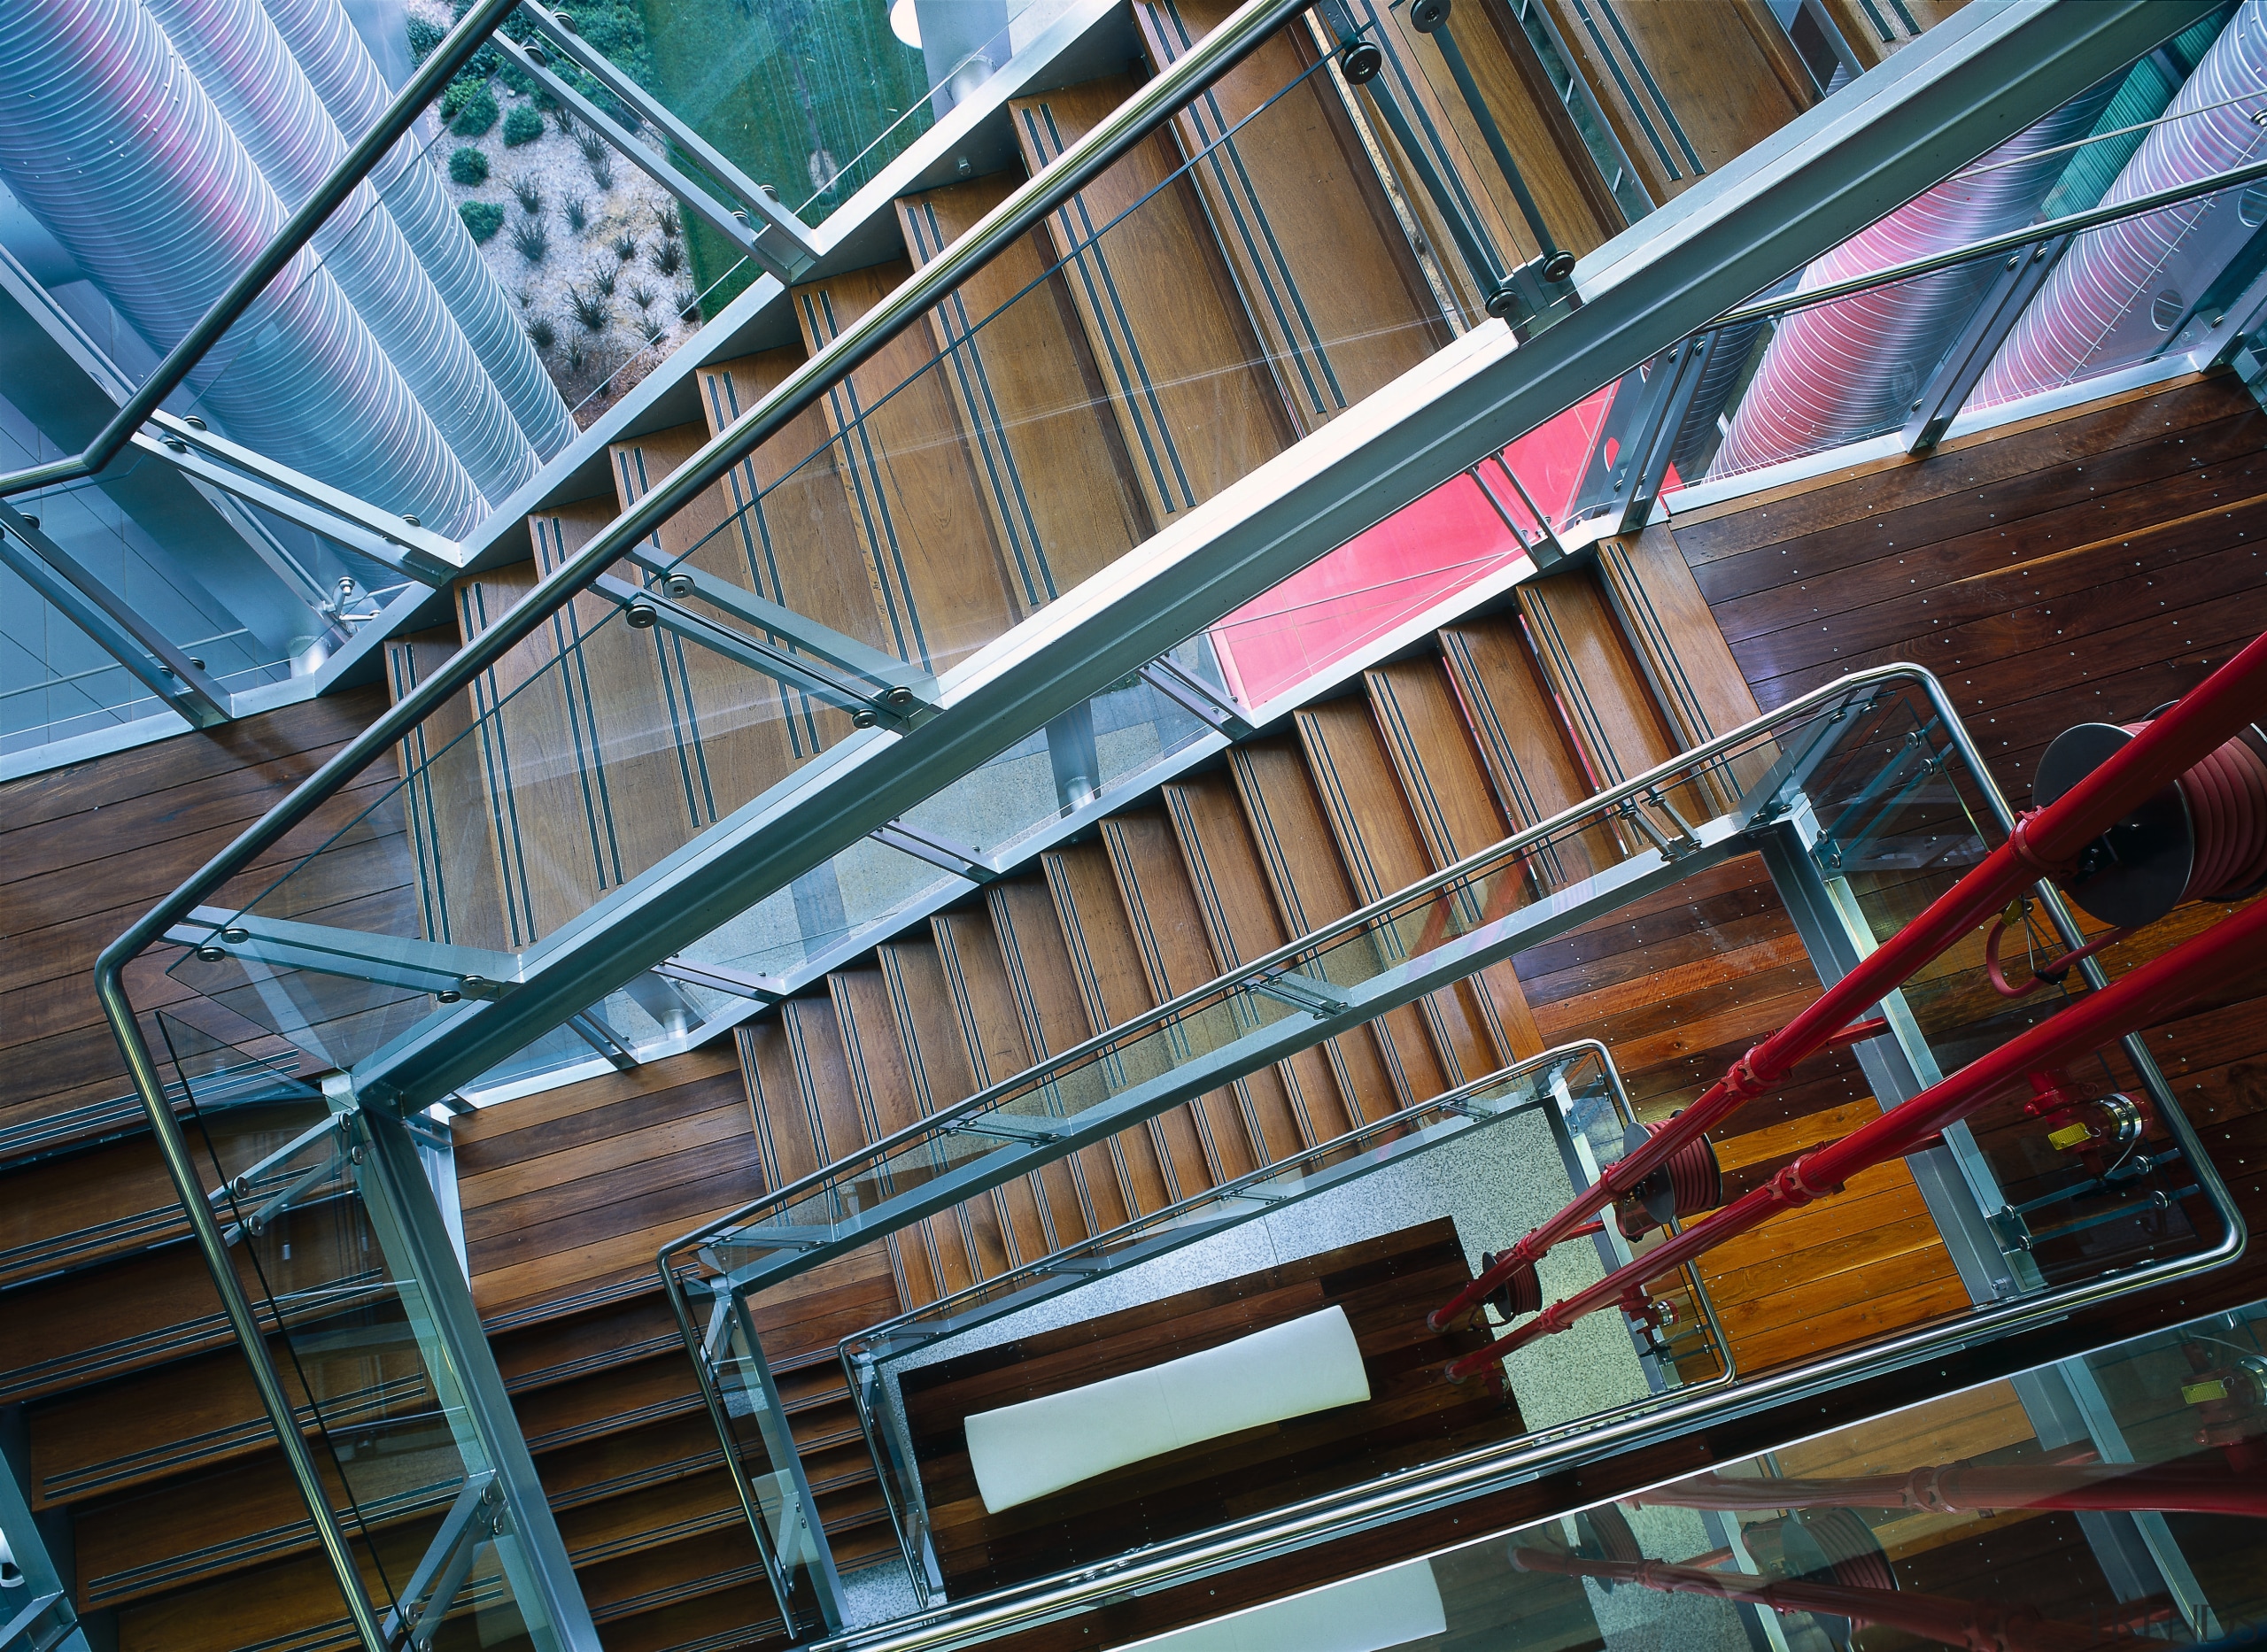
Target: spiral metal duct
1850, 368
256, 83
2121, 290
339, 67
259, 90
107, 138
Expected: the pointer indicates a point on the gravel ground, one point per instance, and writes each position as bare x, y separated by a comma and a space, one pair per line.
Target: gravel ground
593, 368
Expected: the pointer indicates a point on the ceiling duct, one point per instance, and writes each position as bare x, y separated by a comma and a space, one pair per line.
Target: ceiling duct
1851, 369
2123, 292
339, 67
257, 84
108, 139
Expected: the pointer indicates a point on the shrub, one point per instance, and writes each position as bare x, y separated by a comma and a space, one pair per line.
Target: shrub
688, 303
469, 167
668, 257
667, 219
597, 153
591, 309
644, 297
521, 125
475, 115
532, 239
578, 214
655, 327
528, 193
574, 357
541, 333
602, 278
625, 247
482, 218
424, 37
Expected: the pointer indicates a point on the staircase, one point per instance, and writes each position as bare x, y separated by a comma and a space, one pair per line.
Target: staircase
1427, 758
1225, 289
947, 489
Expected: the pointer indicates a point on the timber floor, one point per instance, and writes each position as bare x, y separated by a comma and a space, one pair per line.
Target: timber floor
1412, 1416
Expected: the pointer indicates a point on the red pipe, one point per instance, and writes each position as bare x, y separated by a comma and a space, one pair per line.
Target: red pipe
2229, 948
2045, 842
1979, 1624
2197, 1486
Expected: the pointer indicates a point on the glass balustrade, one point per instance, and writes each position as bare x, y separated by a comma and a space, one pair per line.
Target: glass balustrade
1565, 1109
436, 1532
1864, 798
2103, 1501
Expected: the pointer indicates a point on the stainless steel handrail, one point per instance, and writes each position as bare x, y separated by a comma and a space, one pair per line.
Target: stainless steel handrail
1315, 940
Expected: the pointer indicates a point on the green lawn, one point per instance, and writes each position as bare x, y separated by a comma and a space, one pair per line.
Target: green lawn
791, 91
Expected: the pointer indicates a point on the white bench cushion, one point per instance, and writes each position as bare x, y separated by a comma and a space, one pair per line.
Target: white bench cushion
1021, 1452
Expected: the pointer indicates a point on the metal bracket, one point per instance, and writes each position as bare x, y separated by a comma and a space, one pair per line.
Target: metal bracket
450, 973
477, 1516
1675, 383
1319, 998
1195, 696
107, 618
1672, 848
248, 1182
591, 1029
896, 703
1546, 548
763, 989
402, 544
1024, 1134
783, 244
942, 852
886, 672
2012, 289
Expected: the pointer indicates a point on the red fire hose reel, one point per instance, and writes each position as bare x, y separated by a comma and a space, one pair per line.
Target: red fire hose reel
2203, 838
1689, 1184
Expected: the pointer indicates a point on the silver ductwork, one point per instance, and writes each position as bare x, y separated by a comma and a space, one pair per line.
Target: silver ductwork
2122, 292
253, 79
108, 139
1851, 369
339, 67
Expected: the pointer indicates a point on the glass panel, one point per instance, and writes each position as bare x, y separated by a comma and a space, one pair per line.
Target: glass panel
1425, 555
2094, 1502
767, 1471
385, 1425
1542, 1113
520, 803
2073, 1186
